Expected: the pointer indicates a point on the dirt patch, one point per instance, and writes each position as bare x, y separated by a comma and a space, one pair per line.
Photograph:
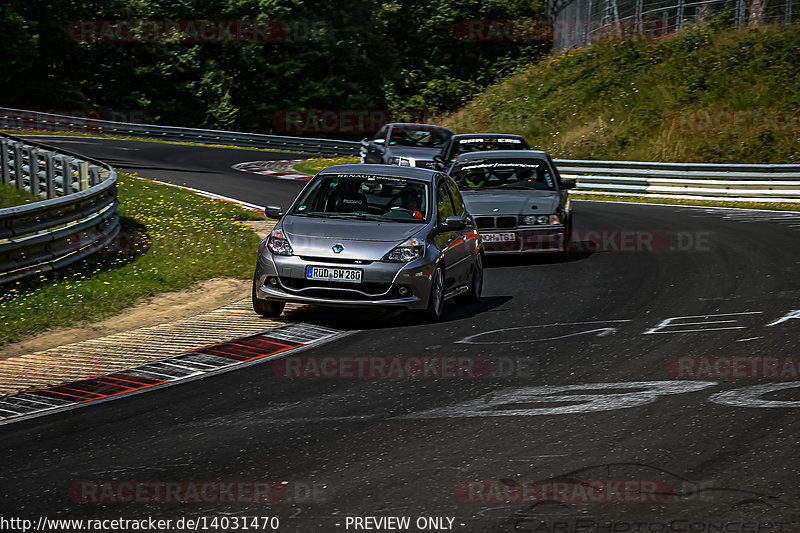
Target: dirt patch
262, 227
203, 297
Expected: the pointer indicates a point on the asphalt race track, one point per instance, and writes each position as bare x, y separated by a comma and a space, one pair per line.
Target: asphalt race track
199, 167
648, 383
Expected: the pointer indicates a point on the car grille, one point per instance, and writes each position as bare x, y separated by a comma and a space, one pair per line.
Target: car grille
334, 289
506, 222
496, 222
337, 260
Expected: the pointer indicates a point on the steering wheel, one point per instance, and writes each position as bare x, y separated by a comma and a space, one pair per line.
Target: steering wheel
388, 205
415, 214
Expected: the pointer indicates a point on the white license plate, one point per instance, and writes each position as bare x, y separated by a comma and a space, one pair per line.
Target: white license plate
499, 237
347, 275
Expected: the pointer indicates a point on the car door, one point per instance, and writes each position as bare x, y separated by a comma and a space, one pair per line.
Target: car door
451, 243
470, 233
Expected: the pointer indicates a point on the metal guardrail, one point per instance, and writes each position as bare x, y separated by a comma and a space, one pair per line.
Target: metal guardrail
756, 182
77, 217
22, 119
752, 182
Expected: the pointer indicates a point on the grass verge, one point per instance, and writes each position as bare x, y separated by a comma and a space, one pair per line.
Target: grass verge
707, 93
10, 196
170, 239
312, 166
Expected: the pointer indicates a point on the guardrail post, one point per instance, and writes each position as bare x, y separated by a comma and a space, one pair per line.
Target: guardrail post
19, 179
4, 168
66, 175
33, 170
95, 176
83, 175
50, 174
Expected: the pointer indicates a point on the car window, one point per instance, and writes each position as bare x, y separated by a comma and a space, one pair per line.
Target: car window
458, 202
555, 170
381, 133
365, 196
483, 144
419, 137
527, 173
444, 205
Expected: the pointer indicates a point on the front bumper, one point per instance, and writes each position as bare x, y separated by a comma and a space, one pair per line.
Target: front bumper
548, 239
380, 285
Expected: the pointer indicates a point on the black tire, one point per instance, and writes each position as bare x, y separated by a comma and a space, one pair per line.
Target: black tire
267, 308
473, 295
435, 308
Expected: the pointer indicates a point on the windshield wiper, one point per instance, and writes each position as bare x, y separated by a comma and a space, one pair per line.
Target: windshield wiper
360, 217
517, 186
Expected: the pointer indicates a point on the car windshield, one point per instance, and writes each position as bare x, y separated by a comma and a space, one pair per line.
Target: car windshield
365, 196
511, 174
464, 146
422, 137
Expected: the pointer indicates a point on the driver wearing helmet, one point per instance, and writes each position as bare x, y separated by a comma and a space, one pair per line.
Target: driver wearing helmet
411, 200
475, 178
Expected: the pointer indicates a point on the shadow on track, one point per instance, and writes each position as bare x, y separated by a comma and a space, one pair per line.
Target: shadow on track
578, 251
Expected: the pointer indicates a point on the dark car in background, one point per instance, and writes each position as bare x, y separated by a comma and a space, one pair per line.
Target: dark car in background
405, 144
518, 200
465, 143
371, 236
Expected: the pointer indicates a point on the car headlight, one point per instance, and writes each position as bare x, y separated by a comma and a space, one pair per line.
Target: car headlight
540, 220
278, 244
408, 251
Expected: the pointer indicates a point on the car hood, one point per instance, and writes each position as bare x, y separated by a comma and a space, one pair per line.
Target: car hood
417, 153
361, 239
510, 202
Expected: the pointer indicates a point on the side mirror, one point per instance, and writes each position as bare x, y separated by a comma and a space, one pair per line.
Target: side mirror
273, 211
568, 183
453, 223
438, 158
379, 141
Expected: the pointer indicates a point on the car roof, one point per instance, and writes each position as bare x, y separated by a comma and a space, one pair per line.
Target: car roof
501, 154
477, 135
417, 125
393, 171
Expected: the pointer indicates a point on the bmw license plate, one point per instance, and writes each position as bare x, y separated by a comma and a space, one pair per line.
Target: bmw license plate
499, 237
347, 275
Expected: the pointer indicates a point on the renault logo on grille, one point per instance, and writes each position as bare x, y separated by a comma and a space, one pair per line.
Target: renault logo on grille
337, 248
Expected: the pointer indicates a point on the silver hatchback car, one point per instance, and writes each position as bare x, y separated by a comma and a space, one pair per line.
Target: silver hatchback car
371, 235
